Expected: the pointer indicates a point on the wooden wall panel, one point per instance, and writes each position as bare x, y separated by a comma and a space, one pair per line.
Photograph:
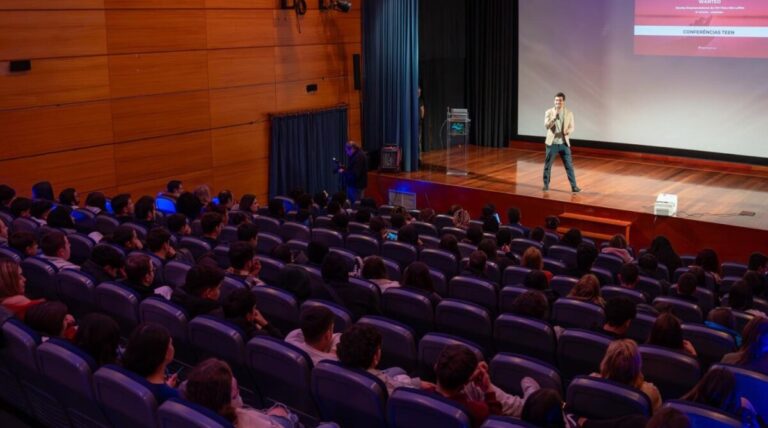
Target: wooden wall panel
248, 177
318, 27
55, 81
132, 31
158, 73
240, 67
292, 96
242, 4
158, 115
154, 4
241, 105
162, 157
353, 119
240, 144
48, 4
48, 34
309, 62
36, 131
240, 28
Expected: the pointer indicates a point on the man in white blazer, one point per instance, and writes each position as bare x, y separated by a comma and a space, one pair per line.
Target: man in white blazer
560, 125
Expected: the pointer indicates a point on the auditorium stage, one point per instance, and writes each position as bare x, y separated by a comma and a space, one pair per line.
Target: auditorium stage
616, 185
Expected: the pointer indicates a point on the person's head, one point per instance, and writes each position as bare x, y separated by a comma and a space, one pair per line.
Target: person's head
619, 313
248, 232
559, 100
316, 323
139, 269
283, 253
416, 275
175, 187
585, 256
708, 260
587, 289
532, 259
723, 316
648, 262
276, 208
20, 207
126, 237
334, 268
24, 242
122, 205
622, 363
334, 207
686, 284
461, 218
667, 332
55, 244
374, 268
240, 304
96, 200
296, 279
61, 216
536, 280
474, 234
488, 246
755, 281
241, 255
340, 222
740, 297
717, 388
363, 215
41, 208
189, 205
503, 237
145, 208
668, 417
754, 347
758, 262
378, 226
69, 197
408, 234
98, 335
618, 241
629, 275
177, 224
204, 280
397, 220
513, 215
532, 304
12, 281
427, 215
351, 147
203, 194
210, 384
360, 347
50, 319
544, 408
211, 223
454, 367
490, 225
316, 252
42, 190
552, 222
537, 234
449, 243
159, 240
226, 199
477, 261
572, 237
249, 203
109, 259
149, 350
7, 193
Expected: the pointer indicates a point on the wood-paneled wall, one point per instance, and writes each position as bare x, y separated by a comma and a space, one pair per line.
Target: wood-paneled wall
124, 95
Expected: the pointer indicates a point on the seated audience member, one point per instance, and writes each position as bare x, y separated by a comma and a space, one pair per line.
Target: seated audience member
236, 218
756, 283
740, 299
248, 232
201, 290
668, 333
572, 238
375, 271
42, 190
56, 250
316, 252
629, 277
333, 208
126, 237
622, 364
758, 263
336, 278
753, 353
123, 208
315, 335
427, 215
722, 319
21, 207
144, 211
40, 210
587, 290
619, 313
240, 309
537, 234
96, 203
276, 209
544, 408
226, 199
649, 266
283, 254
617, 246
340, 223
717, 389
474, 235
363, 215
178, 225
514, 217
148, 353
211, 223
533, 304
244, 264
25, 243
61, 218
3, 233
140, 275
159, 244
7, 194
536, 280
585, 257
461, 218
105, 264
189, 205
51, 319
69, 198
686, 288
295, 280
220, 210
490, 224
173, 189
707, 259
416, 277
450, 244
203, 194
99, 336
378, 228
211, 384
488, 246
12, 287
532, 259
476, 266
504, 240
665, 254
409, 235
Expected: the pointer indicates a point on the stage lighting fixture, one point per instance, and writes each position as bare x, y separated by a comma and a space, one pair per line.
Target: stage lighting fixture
340, 5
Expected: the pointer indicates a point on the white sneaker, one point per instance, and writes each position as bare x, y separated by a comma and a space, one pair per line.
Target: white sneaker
529, 386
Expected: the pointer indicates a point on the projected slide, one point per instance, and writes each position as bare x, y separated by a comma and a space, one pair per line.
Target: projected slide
716, 28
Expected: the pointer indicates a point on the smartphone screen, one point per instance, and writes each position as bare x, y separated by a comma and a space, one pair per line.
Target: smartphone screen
392, 236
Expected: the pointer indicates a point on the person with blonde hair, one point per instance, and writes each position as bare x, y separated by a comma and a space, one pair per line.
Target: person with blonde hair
622, 363
12, 284
532, 259
587, 290
461, 218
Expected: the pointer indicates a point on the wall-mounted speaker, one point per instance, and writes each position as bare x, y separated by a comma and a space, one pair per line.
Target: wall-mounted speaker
20, 65
356, 70
312, 87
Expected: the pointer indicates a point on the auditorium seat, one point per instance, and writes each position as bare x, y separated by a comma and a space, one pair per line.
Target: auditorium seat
700, 415
733, 269
686, 311
507, 296
323, 221
409, 307
179, 413
505, 422
120, 302
465, 249
413, 408
562, 285
597, 398
555, 266
357, 227
507, 370
297, 246
563, 253
290, 230
282, 372
572, 313
330, 238
400, 252
125, 398
398, 343
350, 258
431, 242
10, 254
106, 225
430, 347
175, 273
368, 288
640, 327
610, 262
342, 316
579, 352
650, 286
23, 224
195, 245
141, 231
424, 228
351, 398
41, 278
552, 238
706, 298
441, 260
75, 289
605, 276
466, 320
221, 254
474, 290
442, 221
458, 233
270, 270
514, 275
609, 292
674, 373
742, 319
750, 385
278, 306
710, 344
266, 242
80, 247
526, 336
228, 234
439, 282
171, 316
362, 245
516, 231
267, 224
519, 245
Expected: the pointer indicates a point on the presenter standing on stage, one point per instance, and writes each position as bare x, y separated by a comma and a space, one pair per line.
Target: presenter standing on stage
559, 123
356, 173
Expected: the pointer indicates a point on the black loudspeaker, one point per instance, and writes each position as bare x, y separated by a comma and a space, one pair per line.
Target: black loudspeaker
312, 87
390, 159
20, 65
356, 70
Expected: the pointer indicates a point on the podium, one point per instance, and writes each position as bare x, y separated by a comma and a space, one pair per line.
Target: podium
458, 138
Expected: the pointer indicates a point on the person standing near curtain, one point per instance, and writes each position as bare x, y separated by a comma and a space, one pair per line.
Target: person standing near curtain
356, 172
560, 125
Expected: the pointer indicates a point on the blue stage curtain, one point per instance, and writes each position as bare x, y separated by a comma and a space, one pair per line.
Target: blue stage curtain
302, 149
391, 77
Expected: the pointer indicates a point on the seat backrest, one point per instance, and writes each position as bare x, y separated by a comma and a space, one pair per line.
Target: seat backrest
686, 311
349, 257
704, 416
507, 296
514, 275
404, 254
343, 317
474, 290
141, 231
432, 344
349, 397
674, 373
579, 352
555, 266
10, 254
466, 320
160, 311
413, 408
507, 370
409, 307
228, 234
125, 397
291, 230
562, 285
362, 245
23, 224
505, 422
439, 282
526, 336
733, 269
270, 270
455, 231
266, 242
267, 224
231, 284
214, 337
705, 297
563, 253
710, 344
282, 372
649, 286
442, 221
519, 245
106, 224
609, 262
398, 342
611, 291
597, 398
424, 228
750, 385
571, 313
175, 273
41, 278
441, 260
640, 327
196, 246
80, 247
178, 413
76, 290
357, 227
330, 238
278, 306
465, 249
120, 302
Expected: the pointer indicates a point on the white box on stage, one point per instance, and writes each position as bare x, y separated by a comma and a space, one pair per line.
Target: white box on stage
666, 205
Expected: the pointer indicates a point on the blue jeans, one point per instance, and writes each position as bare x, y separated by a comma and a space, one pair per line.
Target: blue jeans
565, 154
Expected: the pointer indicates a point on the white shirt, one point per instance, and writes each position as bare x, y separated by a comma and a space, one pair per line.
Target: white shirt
296, 338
